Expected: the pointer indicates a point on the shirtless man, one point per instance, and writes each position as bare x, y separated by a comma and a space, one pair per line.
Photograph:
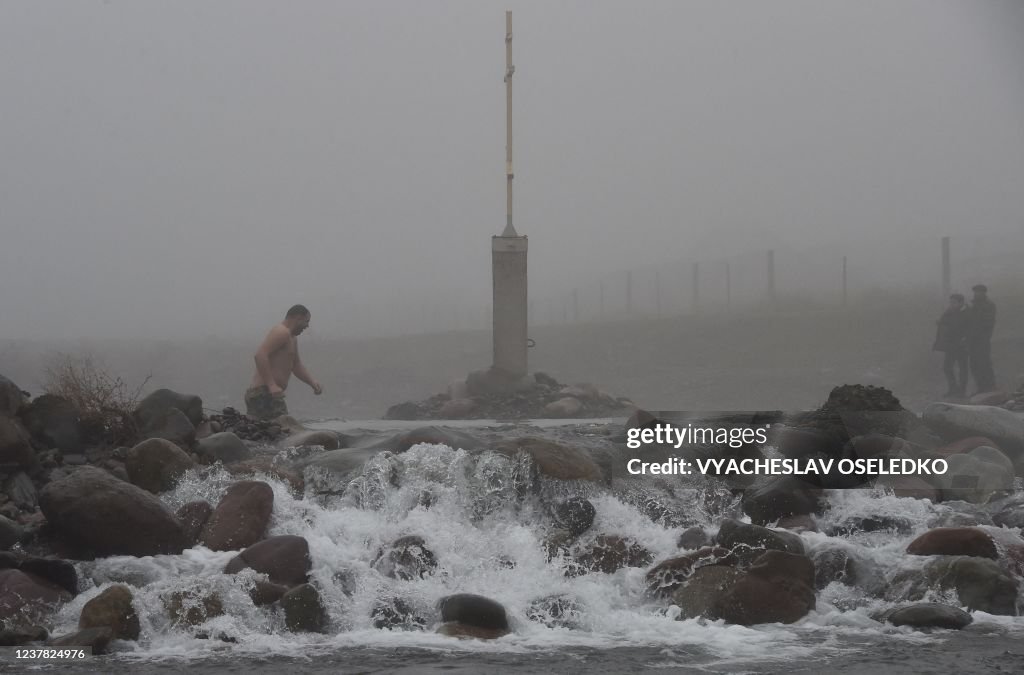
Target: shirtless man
276, 360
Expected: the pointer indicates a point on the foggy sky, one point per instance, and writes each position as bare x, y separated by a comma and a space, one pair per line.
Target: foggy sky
191, 169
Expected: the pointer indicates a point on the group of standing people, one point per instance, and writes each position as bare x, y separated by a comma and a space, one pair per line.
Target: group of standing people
965, 335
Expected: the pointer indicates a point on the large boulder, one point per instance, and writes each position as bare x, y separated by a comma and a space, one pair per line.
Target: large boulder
11, 398
223, 447
734, 535
15, 445
927, 615
969, 541
97, 639
109, 516
668, 575
564, 408
193, 517
25, 597
778, 587
977, 477
113, 609
54, 422
769, 501
961, 421
152, 409
284, 559
469, 615
10, 533
22, 491
241, 518
574, 515
193, 607
304, 610
980, 584
554, 460
174, 426
157, 465
433, 435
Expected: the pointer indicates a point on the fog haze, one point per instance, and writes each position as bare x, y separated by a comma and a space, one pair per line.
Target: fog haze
192, 169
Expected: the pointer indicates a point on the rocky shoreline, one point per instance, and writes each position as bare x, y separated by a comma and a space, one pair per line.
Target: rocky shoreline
68, 499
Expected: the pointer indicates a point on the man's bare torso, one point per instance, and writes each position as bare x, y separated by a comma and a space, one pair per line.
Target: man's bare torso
282, 361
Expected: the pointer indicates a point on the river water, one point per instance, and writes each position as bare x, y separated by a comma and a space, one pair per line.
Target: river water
488, 540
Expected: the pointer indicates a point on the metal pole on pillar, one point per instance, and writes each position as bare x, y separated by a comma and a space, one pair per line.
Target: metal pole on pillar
508, 258
947, 285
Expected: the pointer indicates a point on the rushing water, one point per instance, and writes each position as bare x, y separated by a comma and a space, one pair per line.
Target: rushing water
488, 539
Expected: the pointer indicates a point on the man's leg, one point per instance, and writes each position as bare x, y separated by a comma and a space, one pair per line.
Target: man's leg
261, 405
988, 381
961, 366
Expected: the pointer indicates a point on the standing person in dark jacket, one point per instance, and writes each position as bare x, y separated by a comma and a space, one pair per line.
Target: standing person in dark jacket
951, 338
979, 338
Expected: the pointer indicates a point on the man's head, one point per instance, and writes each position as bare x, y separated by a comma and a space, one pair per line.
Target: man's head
956, 301
980, 291
297, 319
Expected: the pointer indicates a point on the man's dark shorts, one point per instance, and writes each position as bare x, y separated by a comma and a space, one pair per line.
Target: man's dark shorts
259, 403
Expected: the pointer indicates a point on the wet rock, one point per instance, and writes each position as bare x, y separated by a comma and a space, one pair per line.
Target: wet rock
406, 558
15, 445
154, 408
11, 398
285, 559
800, 443
977, 477
174, 427
980, 584
26, 598
396, 613
465, 632
927, 615
778, 587
780, 497
96, 638
961, 421
990, 398
112, 609
266, 592
804, 523
224, 447
733, 534
575, 515
241, 518
193, 607
56, 571
474, 611
610, 553
22, 491
964, 445
157, 465
10, 533
668, 575
111, 517
193, 517
564, 408
54, 422
967, 541
304, 610
22, 636
553, 459
834, 563
693, 538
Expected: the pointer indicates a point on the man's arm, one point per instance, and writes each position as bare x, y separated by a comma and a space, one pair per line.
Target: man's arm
299, 369
275, 340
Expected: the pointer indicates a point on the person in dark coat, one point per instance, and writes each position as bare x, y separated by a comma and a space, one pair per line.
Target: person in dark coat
951, 338
982, 323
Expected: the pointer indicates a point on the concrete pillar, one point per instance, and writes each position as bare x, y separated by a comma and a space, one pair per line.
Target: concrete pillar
508, 266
